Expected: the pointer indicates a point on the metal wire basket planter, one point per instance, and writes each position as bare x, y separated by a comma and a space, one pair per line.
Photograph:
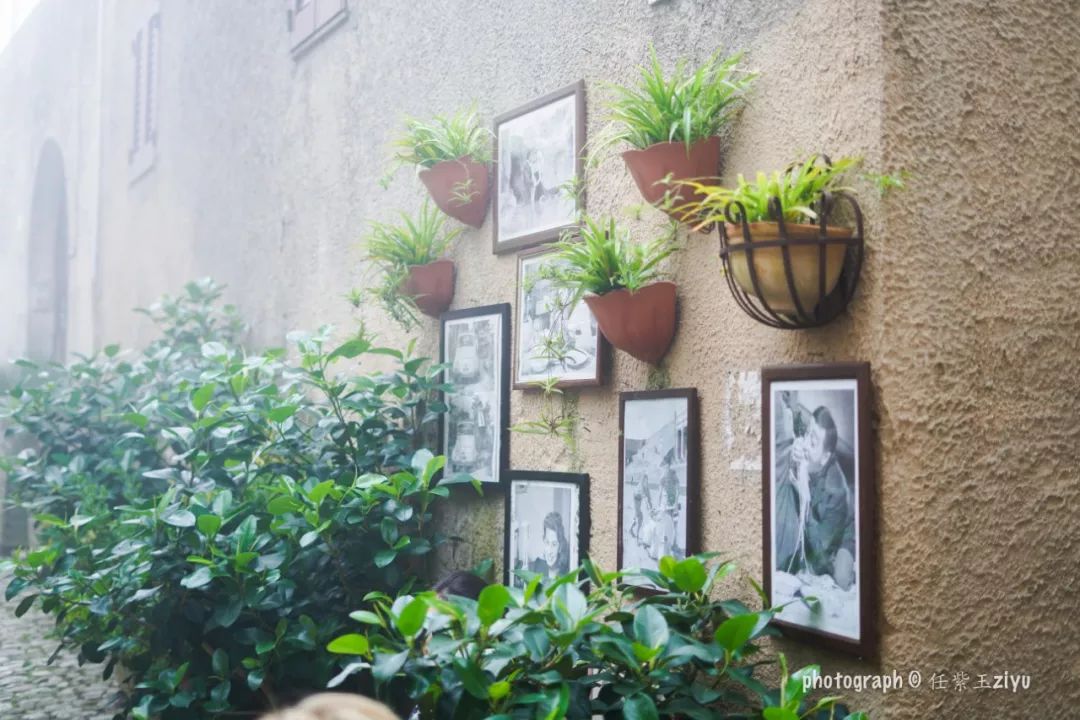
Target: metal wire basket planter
788, 275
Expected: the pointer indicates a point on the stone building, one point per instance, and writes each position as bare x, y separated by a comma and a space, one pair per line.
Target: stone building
149, 142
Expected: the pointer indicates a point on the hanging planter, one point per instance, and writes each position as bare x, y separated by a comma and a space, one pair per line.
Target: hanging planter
620, 281
641, 323
672, 122
660, 169
430, 286
792, 275
459, 188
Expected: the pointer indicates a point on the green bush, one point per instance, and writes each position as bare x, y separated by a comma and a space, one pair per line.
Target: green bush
558, 652
209, 516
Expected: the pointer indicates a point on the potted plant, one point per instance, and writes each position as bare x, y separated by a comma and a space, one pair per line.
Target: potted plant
673, 125
452, 154
747, 213
409, 256
620, 281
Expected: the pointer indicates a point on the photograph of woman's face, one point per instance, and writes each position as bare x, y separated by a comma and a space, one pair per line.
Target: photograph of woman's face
543, 529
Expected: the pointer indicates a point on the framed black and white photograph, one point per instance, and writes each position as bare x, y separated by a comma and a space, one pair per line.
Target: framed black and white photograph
818, 510
475, 344
547, 524
659, 480
556, 337
539, 156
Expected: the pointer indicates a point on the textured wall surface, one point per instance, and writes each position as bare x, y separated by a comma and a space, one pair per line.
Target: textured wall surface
267, 171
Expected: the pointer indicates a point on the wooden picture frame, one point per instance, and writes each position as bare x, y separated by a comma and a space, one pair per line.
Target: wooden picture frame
666, 453
817, 442
531, 169
474, 433
541, 309
551, 501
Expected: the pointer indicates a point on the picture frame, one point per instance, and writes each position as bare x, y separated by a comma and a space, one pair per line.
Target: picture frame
539, 148
474, 434
546, 523
659, 478
818, 504
543, 312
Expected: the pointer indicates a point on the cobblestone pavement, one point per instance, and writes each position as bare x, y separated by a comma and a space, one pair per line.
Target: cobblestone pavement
32, 690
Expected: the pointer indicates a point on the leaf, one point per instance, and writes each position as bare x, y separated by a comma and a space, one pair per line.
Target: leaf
491, 603
180, 518
639, 707
320, 491
499, 690
690, 575
255, 679
281, 413
209, 524
144, 594
24, 606
200, 398
366, 616
667, 566
779, 713
384, 558
411, 618
650, 627
225, 615
387, 666
200, 578
351, 644
734, 632
219, 661
282, 504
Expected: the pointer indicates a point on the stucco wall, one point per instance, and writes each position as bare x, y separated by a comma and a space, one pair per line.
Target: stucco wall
267, 170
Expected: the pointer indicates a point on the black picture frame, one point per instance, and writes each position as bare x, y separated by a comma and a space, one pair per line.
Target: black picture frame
578, 483
498, 400
685, 451
517, 242
844, 390
601, 350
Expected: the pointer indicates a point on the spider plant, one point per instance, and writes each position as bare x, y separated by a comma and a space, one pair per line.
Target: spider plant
604, 259
687, 106
393, 248
798, 188
444, 137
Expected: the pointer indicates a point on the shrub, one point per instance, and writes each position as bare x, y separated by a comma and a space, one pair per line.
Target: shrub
559, 652
444, 137
208, 516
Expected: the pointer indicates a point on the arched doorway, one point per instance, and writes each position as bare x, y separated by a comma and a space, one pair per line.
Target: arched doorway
46, 338
47, 277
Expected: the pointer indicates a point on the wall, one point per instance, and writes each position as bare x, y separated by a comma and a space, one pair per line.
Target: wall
267, 170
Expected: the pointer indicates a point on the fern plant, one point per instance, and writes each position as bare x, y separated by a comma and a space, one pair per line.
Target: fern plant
604, 259
687, 106
392, 248
798, 188
444, 137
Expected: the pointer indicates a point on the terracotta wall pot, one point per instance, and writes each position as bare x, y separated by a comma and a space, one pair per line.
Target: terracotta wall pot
641, 324
444, 181
769, 264
431, 286
651, 165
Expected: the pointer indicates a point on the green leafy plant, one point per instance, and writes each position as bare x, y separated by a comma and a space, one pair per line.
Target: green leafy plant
207, 516
798, 189
559, 651
443, 137
686, 106
603, 258
393, 248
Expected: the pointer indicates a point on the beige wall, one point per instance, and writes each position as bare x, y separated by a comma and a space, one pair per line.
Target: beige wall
267, 170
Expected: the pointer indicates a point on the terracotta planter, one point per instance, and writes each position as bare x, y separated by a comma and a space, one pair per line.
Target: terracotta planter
450, 180
431, 286
641, 324
651, 166
769, 264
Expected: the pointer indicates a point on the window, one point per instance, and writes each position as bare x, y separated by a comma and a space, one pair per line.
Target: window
146, 60
311, 20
